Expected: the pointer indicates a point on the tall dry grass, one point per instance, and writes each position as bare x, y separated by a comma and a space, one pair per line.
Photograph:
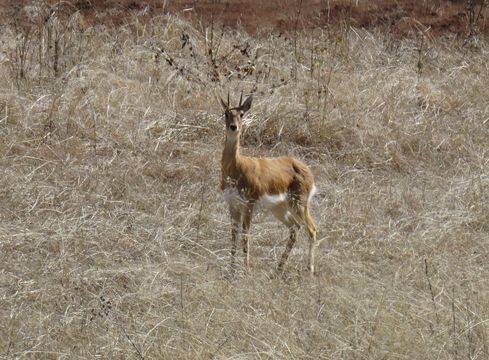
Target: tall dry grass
114, 241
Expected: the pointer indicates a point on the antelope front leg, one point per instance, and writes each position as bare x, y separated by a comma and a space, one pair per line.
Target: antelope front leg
235, 225
234, 236
245, 240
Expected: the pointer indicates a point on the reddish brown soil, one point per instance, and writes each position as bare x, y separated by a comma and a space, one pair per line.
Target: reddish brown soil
401, 17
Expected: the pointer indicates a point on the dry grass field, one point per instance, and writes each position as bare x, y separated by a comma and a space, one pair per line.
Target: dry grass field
114, 239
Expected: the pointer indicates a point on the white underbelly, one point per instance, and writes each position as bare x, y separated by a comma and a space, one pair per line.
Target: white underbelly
271, 201
278, 204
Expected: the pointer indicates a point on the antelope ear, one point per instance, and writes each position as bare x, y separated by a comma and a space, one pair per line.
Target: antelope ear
246, 105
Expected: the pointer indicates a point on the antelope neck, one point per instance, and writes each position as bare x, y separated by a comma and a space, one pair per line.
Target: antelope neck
230, 154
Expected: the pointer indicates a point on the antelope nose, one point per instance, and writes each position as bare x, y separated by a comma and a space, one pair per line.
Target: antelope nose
233, 127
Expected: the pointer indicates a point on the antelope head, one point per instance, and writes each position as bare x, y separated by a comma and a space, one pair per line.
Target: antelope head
234, 116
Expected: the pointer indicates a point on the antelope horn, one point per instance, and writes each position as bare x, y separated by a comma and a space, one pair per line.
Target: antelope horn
228, 99
241, 98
